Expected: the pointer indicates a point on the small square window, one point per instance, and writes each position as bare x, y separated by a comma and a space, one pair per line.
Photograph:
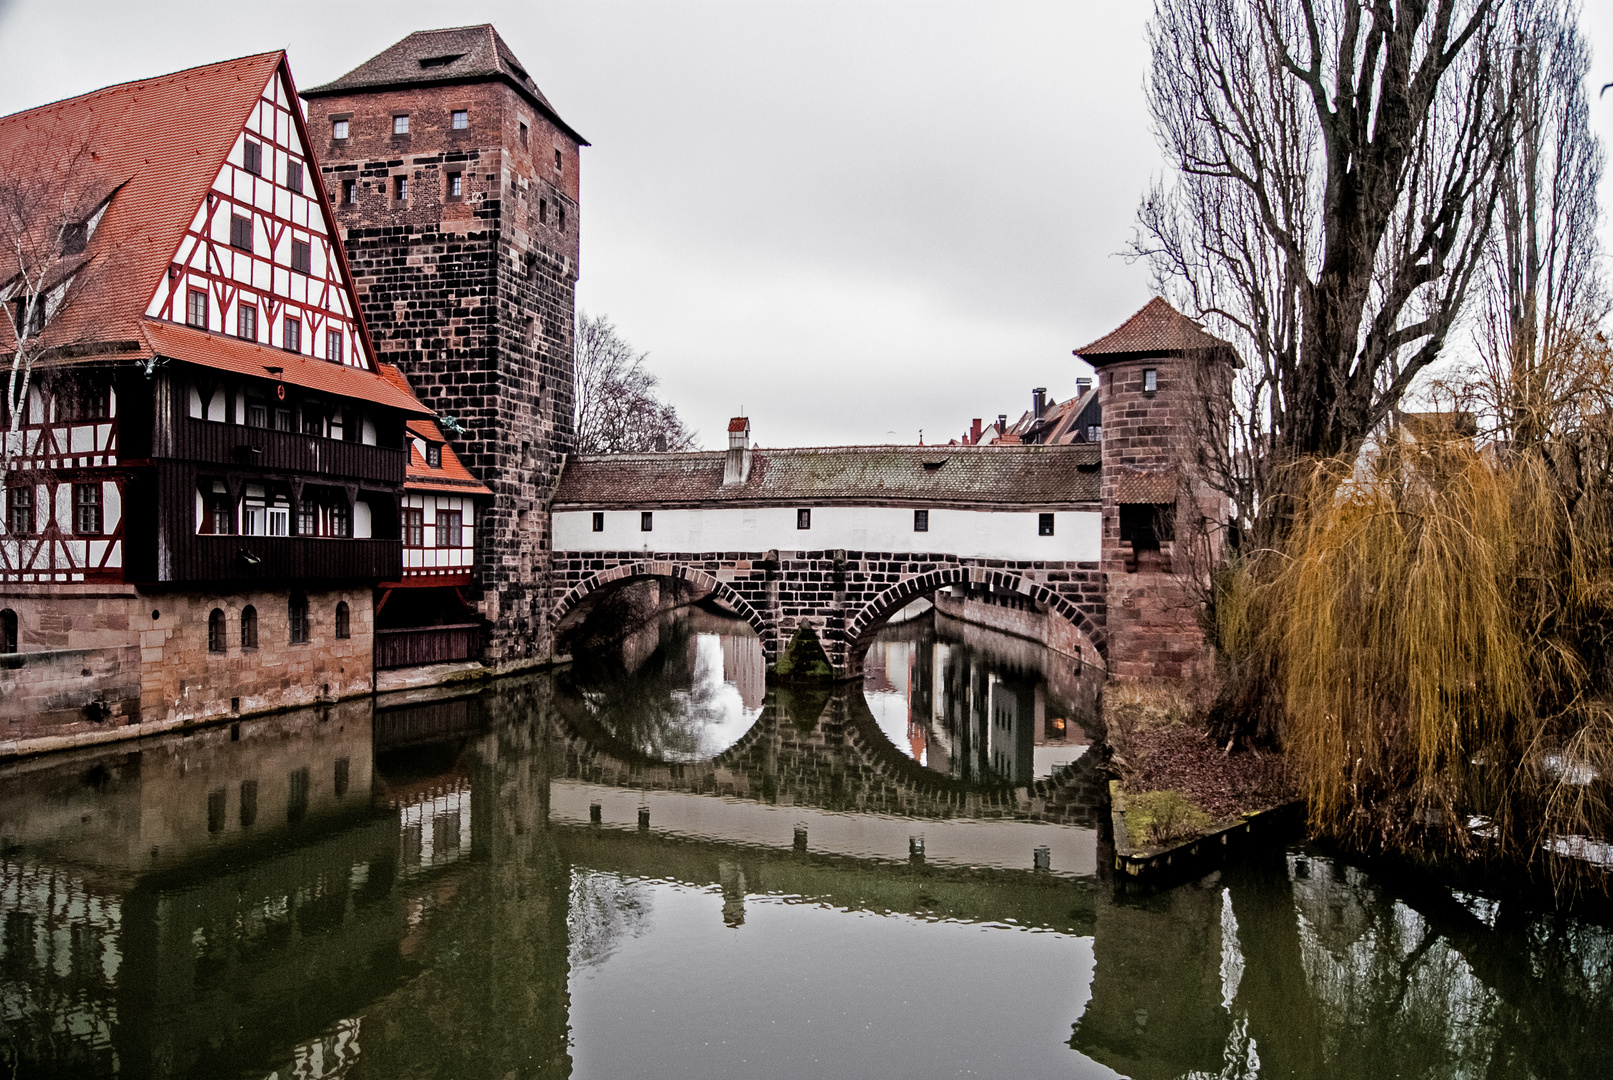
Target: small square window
338, 129
1044, 524
803, 519
291, 336
400, 188
921, 521
599, 521
1150, 381
302, 256
461, 119
646, 521
246, 321
523, 134
252, 157
349, 192
294, 176
333, 345
196, 308
240, 232
400, 125
559, 162
456, 185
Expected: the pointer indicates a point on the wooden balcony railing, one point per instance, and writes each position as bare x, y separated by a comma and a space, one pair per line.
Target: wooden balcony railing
286, 451
283, 558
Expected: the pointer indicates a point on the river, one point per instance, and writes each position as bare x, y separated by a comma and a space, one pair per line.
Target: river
652, 865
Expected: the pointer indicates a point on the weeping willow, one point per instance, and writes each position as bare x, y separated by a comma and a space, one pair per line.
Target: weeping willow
1436, 631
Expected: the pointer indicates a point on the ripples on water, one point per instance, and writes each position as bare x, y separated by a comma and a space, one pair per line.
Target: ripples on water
420, 891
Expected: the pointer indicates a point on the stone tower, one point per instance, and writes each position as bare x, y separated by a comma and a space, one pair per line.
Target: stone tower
1152, 377
456, 187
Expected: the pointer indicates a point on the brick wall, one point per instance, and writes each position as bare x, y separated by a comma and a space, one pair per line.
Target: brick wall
474, 298
1154, 604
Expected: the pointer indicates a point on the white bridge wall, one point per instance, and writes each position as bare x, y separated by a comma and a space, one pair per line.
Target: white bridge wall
973, 534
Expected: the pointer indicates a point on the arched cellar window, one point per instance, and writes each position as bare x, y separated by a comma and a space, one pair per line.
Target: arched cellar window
297, 616
249, 627
215, 632
344, 627
8, 631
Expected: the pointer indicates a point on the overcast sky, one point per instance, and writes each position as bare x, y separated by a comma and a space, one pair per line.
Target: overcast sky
854, 221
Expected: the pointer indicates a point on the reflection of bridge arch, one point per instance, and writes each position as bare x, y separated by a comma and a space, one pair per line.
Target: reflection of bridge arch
865, 624
625, 572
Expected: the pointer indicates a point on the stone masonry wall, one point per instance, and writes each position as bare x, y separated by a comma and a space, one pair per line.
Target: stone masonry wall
1153, 604
843, 596
474, 298
107, 663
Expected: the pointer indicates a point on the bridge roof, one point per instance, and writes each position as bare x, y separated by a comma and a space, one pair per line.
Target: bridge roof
987, 475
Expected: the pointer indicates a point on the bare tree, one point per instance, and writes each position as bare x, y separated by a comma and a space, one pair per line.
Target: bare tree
617, 410
51, 203
1543, 293
1336, 166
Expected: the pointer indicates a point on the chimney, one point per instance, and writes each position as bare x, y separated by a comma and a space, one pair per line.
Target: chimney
1082, 386
1002, 423
974, 432
736, 469
1038, 402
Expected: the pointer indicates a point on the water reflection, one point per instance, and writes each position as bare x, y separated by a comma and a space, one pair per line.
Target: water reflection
683, 687
978, 705
452, 910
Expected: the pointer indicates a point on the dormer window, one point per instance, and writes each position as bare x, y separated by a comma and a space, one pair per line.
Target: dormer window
75, 237
252, 158
434, 455
400, 124
461, 119
338, 130
439, 61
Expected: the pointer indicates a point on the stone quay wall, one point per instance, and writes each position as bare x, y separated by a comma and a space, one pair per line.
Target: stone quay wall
101, 663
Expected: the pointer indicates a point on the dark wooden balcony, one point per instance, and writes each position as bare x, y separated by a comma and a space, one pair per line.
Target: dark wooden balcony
284, 451
421, 645
284, 558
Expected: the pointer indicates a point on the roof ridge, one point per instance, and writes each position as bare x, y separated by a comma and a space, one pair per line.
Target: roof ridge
152, 79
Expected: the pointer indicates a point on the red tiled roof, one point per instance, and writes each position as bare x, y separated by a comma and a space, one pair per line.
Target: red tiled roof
223, 353
739, 423
1000, 475
164, 140
453, 476
1157, 328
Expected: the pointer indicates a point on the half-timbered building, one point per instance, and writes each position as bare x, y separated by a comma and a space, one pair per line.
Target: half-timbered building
205, 482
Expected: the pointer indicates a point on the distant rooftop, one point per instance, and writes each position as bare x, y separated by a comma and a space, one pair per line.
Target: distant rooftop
1000, 475
461, 54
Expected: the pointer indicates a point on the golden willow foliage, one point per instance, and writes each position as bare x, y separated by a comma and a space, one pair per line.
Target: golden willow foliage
1437, 630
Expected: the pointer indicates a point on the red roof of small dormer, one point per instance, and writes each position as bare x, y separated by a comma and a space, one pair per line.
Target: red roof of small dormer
739, 423
452, 477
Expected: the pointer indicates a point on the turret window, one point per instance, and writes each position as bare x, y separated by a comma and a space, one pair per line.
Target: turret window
1150, 381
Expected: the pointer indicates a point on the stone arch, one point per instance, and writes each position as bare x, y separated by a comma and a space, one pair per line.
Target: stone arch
870, 618
657, 569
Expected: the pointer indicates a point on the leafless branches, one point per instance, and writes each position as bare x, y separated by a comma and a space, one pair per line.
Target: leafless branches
1335, 179
617, 410
51, 204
